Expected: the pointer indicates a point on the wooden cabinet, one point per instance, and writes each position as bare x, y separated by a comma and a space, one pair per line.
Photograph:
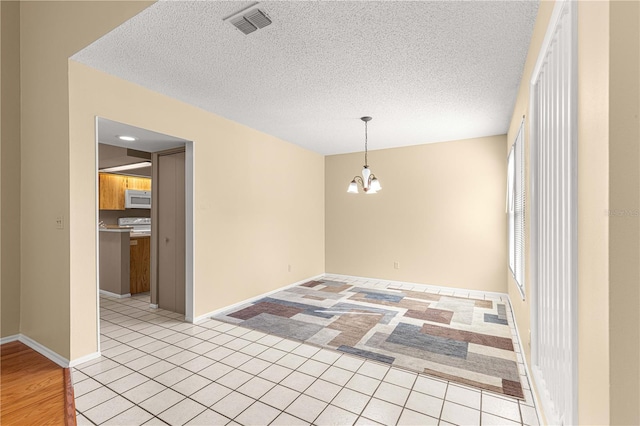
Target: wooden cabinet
112, 187
136, 182
139, 264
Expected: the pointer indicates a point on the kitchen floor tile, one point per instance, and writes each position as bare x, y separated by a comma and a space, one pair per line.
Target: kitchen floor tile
322, 390
232, 404
333, 415
425, 404
173, 376
382, 412
144, 391
306, 408
351, 400
161, 401
364, 384
326, 356
400, 378
197, 364
210, 394
292, 361
182, 412
191, 385
492, 420
275, 373
93, 398
463, 396
84, 387
371, 369
337, 375
257, 414
280, 397
285, 419
157, 369
234, 379
132, 417
236, 359
500, 407
256, 387
207, 418
297, 381
254, 365
392, 393
348, 363
460, 414
430, 386
215, 371
107, 409
128, 382
313, 368
412, 418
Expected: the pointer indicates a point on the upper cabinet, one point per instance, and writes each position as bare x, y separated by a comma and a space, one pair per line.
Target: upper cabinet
112, 187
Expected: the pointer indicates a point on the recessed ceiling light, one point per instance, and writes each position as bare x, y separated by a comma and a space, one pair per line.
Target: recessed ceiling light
128, 138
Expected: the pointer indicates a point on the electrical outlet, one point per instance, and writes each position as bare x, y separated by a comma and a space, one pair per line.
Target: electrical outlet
396, 265
59, 222
289, 268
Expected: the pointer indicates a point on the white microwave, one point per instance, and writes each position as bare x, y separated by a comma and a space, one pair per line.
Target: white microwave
137, 199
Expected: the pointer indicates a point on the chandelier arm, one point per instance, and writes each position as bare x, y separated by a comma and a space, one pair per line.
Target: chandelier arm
359, 180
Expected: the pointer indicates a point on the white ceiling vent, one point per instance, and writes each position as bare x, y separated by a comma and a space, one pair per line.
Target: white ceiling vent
250, 19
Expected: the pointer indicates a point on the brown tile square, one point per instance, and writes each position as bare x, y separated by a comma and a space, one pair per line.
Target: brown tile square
266, 307
434, 315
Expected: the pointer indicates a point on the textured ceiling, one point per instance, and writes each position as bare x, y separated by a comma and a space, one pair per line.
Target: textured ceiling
425, 71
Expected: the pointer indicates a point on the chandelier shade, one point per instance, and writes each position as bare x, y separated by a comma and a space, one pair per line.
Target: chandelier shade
368, 181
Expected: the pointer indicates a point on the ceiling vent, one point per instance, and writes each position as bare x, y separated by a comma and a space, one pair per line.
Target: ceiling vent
249, 20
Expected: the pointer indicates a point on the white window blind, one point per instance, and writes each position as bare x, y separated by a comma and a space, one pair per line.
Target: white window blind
554, 218
515, 209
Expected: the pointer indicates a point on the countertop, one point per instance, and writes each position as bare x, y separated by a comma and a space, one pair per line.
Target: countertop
115, 229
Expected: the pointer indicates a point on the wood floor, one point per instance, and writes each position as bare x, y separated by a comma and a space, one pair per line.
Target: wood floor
33, 389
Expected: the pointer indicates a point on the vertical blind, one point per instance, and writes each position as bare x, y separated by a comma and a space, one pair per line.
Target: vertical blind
554, 218
515, 209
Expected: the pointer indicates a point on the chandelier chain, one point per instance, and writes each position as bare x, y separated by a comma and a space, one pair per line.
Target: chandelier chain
366, 163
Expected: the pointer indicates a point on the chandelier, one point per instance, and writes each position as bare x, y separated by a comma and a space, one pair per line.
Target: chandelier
368, 181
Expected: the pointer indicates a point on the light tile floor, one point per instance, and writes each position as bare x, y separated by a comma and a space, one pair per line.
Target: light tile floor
157, 369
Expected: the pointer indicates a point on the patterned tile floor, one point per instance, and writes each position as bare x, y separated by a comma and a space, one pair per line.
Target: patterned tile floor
157, 369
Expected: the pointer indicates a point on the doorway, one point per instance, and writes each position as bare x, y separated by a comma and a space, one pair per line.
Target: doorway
147, 142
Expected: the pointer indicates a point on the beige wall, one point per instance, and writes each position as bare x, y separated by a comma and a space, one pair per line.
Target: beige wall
10, 168
607, 177
441, 214
259, 201
50, 33
624, 201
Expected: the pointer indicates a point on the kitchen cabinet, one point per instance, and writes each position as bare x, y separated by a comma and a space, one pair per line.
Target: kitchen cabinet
139, 264
112, 187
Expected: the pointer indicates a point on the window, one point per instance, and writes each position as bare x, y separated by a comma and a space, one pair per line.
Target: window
515, 209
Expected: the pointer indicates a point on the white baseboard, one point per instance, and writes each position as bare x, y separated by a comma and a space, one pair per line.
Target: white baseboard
43, 350
84, 359
201, 318
435, 287
116, 295
153, 305
48, 353
9, 339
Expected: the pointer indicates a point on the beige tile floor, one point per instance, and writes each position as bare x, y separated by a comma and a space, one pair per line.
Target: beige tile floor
157, 369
